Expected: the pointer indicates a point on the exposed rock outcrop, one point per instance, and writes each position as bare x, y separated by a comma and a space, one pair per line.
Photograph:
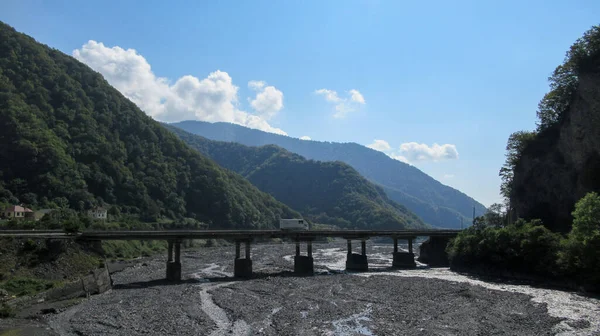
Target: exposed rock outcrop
563, 163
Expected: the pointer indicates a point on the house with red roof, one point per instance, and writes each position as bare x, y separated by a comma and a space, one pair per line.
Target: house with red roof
17, 212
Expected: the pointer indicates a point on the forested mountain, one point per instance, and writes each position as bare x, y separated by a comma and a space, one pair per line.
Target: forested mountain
549, 169
68, 139
435, 203
325, 192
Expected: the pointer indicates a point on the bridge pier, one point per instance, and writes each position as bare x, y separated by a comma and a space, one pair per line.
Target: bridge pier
404, 259
174, 266
243, 266
304, 265
433, 252
355, 261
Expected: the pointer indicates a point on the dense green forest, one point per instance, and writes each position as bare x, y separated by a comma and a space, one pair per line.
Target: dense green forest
325, 192
550, 225
436, 204
70, 140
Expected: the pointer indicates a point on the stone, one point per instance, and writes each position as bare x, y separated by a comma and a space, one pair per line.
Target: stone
48, 311
4, 295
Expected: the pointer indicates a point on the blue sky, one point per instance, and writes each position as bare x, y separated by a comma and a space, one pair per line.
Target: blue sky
460, 74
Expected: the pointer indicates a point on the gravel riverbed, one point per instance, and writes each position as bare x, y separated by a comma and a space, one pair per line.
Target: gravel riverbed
380, 302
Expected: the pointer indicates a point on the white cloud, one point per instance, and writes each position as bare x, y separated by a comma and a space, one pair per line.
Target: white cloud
421, 152
342, 105
356, 96
256, 85
380, 145
214, 98
414, 152
268, 99
305, 137
330, 95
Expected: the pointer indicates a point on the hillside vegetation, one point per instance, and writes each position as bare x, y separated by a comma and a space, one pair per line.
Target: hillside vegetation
549, 169
325, 192
435, 203
70, 140
550, 182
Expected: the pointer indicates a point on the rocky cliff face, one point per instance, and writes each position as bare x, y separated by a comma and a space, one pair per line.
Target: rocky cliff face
563, 163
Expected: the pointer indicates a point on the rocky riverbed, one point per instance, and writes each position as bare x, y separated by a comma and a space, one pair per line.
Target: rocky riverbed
380, 302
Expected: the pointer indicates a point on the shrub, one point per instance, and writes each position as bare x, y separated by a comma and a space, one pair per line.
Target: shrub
71, 226
580, 253
521, 247
26, 286
29, 245
6, 311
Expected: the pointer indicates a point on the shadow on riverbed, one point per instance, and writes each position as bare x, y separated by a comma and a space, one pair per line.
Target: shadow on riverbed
256, 275
164, 282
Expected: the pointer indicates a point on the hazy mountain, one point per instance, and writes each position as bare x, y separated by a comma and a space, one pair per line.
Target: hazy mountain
67, 138
435, 203
325, 192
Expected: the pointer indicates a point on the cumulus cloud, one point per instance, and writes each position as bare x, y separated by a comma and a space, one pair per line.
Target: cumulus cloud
356, 96
330, 95
214, 98
421, 152
256, 85
342, 105
305, 137
268, 99
380, 145
414, 152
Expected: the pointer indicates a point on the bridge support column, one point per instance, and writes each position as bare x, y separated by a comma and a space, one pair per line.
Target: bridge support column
243, 266
174, 267
304, 265
355, 261
404, 259
433, 252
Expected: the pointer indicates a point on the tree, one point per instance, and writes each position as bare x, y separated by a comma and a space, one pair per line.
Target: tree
517, 142
582, 56
586, 216
580, 255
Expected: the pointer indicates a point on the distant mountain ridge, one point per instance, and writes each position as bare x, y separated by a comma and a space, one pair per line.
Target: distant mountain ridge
325, 192
435, 203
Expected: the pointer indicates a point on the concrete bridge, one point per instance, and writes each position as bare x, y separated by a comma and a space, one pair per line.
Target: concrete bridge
432, 251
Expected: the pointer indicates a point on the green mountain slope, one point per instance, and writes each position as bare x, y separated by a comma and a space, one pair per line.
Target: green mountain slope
435, 203
325, 192
67, 138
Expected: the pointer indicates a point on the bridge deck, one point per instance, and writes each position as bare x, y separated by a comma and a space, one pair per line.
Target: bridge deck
224, 234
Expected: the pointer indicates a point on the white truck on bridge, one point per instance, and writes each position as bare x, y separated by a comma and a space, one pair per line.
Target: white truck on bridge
293, 224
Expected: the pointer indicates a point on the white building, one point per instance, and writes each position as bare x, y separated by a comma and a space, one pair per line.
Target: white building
98, 213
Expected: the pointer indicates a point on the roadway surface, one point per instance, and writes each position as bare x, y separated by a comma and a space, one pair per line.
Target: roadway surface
224, 234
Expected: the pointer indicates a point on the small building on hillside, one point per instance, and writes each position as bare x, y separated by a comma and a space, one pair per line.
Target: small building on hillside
17, 212
98, 213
